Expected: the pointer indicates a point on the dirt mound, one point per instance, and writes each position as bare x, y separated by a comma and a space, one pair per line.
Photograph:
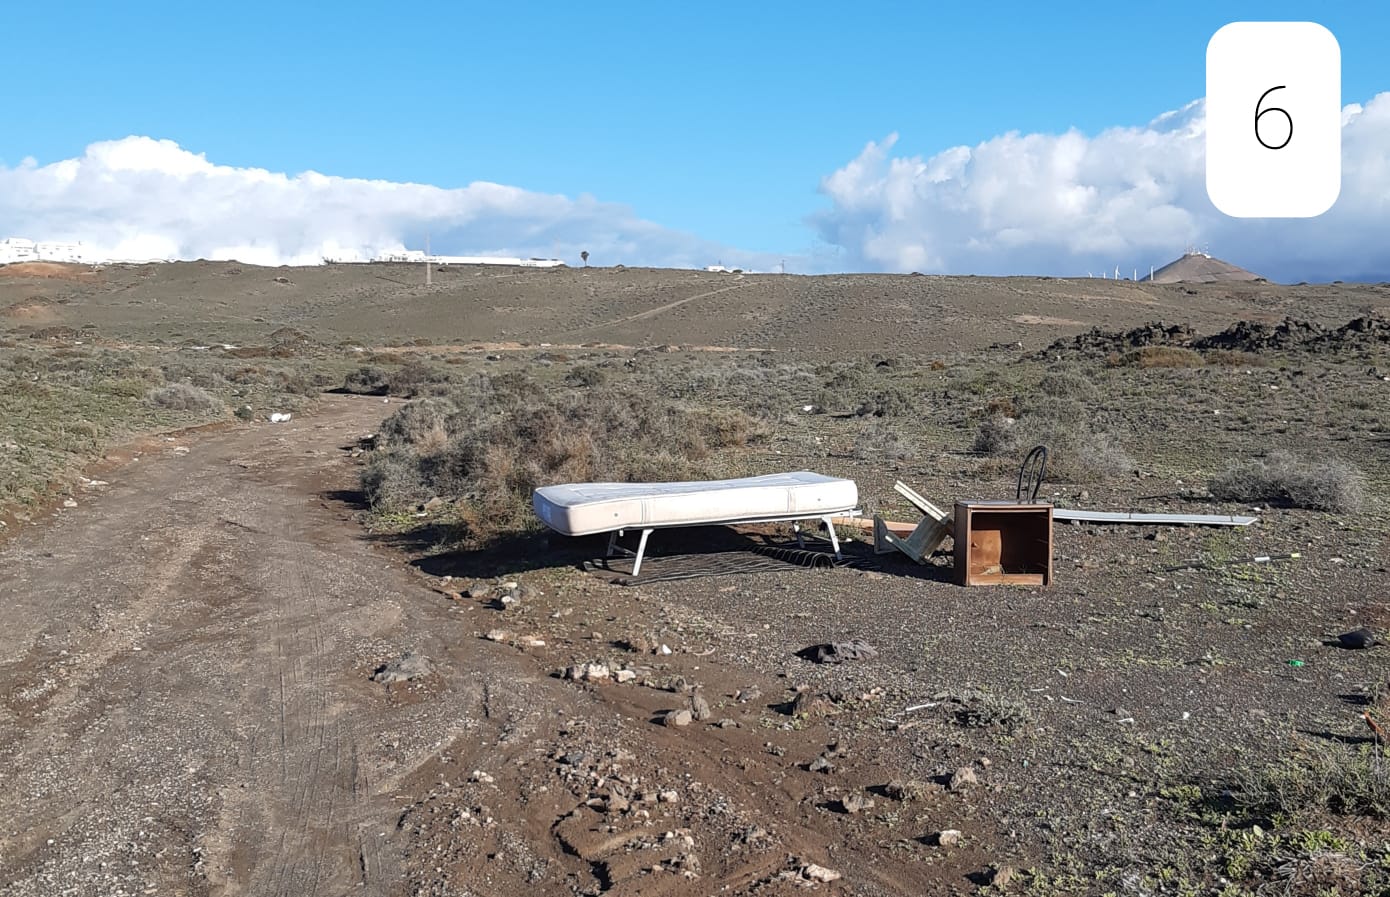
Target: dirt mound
1290, 334
48, 270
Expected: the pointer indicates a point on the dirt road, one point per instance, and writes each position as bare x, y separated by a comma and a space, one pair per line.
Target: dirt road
183, 657
188, 708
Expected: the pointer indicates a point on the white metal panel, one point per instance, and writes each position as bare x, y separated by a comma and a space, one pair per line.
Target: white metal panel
1134, 517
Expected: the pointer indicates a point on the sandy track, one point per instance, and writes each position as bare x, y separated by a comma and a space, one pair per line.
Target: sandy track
649, 313
182, 676
186, 700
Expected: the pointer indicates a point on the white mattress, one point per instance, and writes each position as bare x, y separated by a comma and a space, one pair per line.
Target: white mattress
578, 509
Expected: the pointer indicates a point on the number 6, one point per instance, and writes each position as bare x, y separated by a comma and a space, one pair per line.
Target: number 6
1284, 112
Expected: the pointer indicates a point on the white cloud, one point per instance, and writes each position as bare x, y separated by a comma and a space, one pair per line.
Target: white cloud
142, 198
1065, 204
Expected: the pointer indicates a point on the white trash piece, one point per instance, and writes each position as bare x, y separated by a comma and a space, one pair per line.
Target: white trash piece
279, 417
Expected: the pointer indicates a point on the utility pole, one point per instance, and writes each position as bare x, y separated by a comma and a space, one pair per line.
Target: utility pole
429, 275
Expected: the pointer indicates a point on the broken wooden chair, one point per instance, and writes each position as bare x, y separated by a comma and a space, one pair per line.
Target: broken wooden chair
924, 539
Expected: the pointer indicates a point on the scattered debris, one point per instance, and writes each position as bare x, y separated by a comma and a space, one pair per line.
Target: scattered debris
497, 635
1211, 565
950, 837
280, 417
1358, 638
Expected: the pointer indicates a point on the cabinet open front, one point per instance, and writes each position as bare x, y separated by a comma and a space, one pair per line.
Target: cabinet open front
1003, 543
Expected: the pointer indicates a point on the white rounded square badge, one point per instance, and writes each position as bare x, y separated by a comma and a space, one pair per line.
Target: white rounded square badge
1274, 119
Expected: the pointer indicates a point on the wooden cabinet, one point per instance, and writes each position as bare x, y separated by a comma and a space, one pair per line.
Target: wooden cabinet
1003, 543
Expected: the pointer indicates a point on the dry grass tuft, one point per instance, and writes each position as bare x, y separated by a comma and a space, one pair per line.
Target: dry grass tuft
488, 447
1286, 481
1079, 449
1325, 777
1164, 357
182, 397
878, 441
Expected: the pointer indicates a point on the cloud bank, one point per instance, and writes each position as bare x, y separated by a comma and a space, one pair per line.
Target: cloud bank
1068, 204
1058, 204
140, 198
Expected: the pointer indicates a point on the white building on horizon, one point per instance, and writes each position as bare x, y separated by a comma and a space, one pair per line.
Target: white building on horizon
416, 257
18, 249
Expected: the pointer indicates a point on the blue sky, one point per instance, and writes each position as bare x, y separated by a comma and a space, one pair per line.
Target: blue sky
720, 120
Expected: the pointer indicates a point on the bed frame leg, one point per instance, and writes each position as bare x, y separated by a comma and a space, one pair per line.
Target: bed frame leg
834, 540
612, 542
641, 550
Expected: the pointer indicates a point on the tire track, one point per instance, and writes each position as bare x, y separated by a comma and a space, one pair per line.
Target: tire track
644, 315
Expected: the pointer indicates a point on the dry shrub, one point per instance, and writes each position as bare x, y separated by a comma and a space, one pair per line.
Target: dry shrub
732, 427
422, 424
416, 378
182, 397
367, 380
1066, 384
300, 382
937, 365
890, 401
1323, 777
1234, 358
1001, 407
586, 375
391, 480
501, 444
1079, 449
879, 442
1165, 357
250, 375
1284, 480
975, 709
